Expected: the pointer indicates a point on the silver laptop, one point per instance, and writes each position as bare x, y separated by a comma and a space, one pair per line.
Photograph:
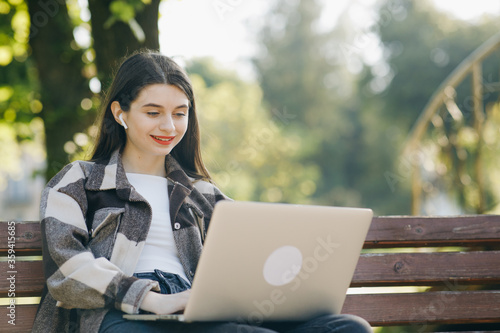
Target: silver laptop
268, 262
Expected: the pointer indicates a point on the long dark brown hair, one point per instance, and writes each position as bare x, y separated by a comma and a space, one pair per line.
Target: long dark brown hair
136, 72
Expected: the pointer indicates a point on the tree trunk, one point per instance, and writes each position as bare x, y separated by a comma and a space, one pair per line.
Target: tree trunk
113, 43
62, 85
60, 67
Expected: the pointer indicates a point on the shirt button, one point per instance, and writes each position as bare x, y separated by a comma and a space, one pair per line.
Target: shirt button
177, 225
191, 273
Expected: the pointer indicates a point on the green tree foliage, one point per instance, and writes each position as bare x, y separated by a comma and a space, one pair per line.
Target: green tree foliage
421, 48
20, 105
244, 145
326, 125
297, 74
46, 71
357, 121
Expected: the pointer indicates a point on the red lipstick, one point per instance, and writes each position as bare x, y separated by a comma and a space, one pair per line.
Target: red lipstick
163, 140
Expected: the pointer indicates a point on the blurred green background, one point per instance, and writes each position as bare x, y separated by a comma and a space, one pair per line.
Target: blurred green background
322, 119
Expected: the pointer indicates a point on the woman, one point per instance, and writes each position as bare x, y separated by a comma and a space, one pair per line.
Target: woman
123, 232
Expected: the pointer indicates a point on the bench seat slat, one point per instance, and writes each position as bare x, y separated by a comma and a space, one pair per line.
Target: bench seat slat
427, 268
25, 315
410, 231
421, 309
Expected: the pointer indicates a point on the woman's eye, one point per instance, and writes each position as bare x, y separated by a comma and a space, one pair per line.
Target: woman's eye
153, 113
180, 114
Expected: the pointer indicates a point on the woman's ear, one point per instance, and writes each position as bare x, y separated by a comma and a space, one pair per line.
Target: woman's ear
118, 113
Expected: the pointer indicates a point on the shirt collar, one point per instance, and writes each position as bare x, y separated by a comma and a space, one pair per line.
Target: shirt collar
110, 174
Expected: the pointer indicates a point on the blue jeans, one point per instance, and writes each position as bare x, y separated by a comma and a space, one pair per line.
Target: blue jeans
172, 283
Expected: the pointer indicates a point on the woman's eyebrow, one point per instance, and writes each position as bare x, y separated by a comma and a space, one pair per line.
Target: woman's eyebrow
182, 106
153, 105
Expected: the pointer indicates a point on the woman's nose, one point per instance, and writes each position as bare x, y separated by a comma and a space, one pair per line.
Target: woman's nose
167, 124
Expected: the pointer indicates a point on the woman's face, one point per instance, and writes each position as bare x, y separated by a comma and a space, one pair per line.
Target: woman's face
157, 120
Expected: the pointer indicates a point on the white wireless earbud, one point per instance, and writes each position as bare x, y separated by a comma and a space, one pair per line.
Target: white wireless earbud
123, 122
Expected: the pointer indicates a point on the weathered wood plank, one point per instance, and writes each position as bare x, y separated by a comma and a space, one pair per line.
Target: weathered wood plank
25, 314
399, 231
410, 231
28, 278
28, 238
427, 269
422, 309
396, 269
24, 317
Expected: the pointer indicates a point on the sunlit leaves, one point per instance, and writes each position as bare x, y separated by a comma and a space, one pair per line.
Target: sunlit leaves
122, 10
6, 92
5, 55
247, 149
20, 25
125, 11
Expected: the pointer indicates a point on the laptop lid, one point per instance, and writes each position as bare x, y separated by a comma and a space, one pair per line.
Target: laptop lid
264, 261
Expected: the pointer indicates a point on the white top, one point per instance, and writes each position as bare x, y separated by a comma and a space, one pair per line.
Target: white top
159, 251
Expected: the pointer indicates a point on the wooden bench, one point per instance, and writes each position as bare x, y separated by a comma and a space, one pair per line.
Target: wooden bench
457, 257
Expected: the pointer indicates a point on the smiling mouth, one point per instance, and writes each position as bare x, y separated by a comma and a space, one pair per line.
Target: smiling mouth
164, 140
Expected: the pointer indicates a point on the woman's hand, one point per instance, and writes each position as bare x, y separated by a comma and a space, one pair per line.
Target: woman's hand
165, 304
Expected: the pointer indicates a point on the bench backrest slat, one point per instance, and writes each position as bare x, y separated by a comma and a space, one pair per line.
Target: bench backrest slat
28, 238
409, 231
29, 278
427, 269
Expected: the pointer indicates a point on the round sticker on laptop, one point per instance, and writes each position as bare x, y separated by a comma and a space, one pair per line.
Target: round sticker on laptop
282, 265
